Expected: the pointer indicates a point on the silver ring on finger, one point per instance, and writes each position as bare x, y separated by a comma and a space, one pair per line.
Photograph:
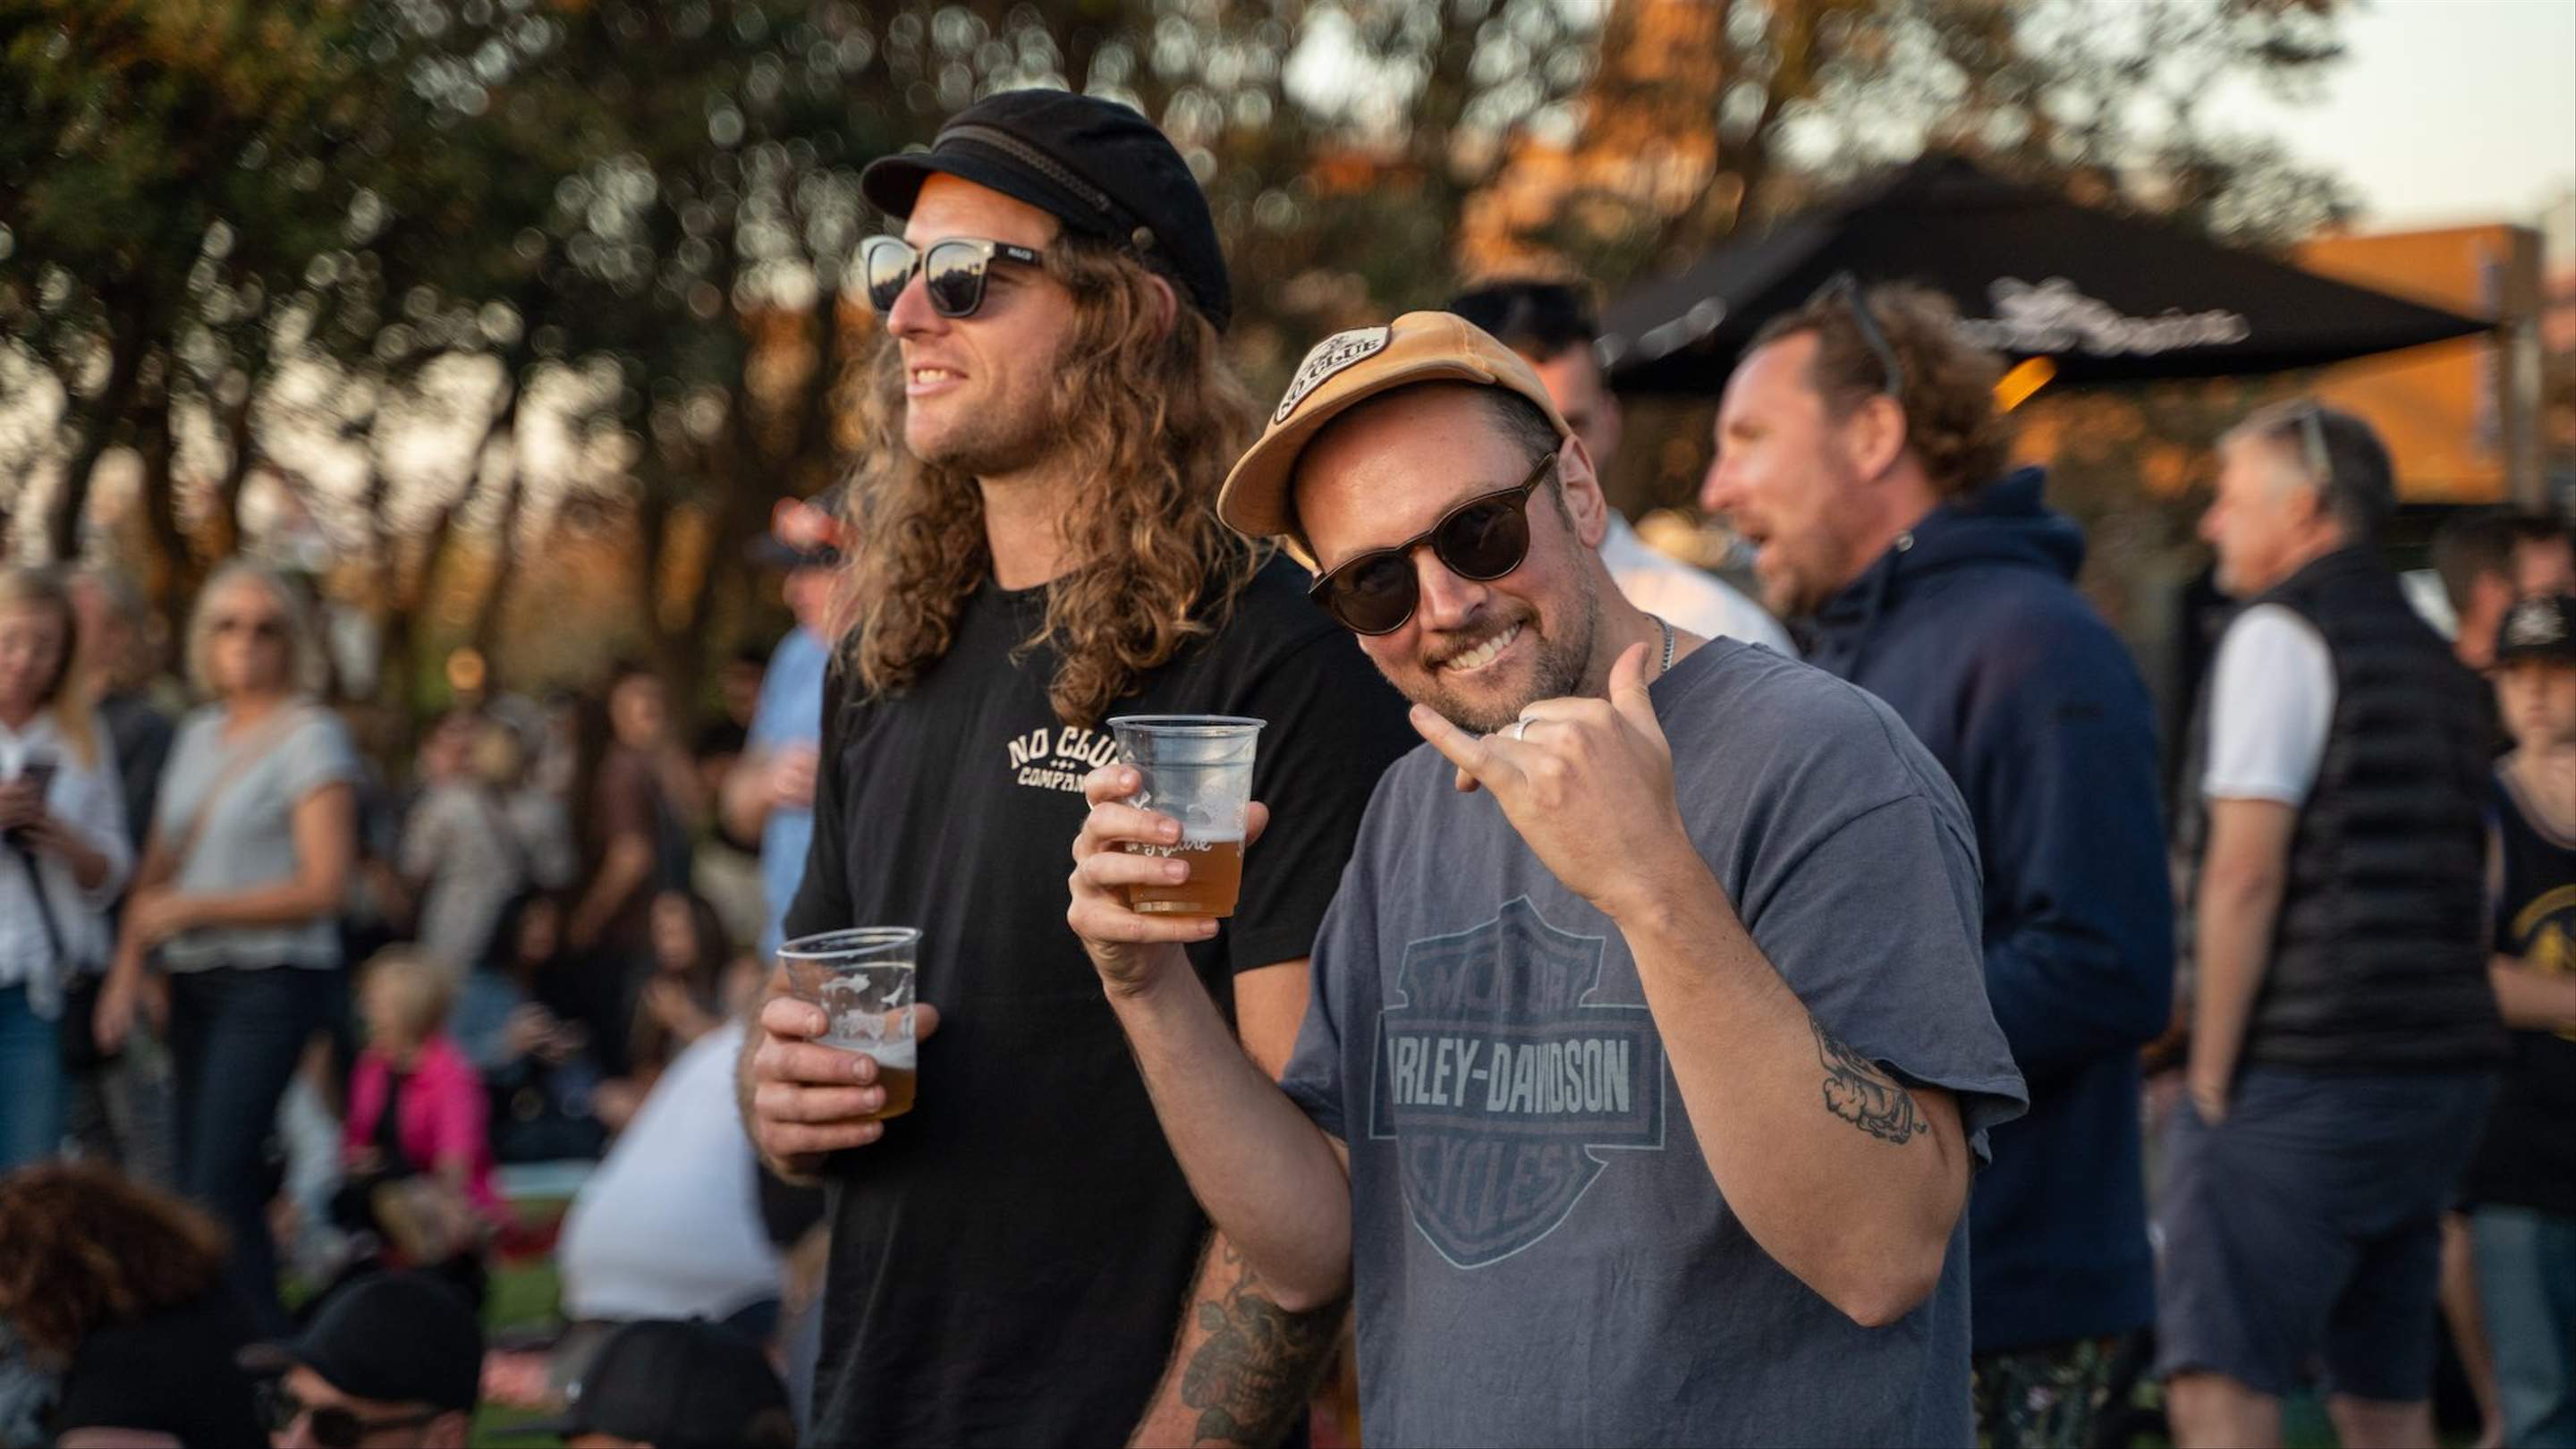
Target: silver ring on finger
1520, 727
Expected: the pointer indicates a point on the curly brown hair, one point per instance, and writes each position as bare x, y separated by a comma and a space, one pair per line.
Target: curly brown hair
82, 1247
1947, 389
1151, 416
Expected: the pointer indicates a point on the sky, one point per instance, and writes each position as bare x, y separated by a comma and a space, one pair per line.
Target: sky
2443, 111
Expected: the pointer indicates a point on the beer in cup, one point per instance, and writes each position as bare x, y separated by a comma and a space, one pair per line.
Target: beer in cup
1197, 769
863, 980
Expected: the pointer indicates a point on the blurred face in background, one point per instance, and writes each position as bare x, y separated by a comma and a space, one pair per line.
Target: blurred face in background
675, 932
2538, 701
1583, 398
1786, 480
32, 643
247, 647
978, 390
636, 712
2265, 514
113, 650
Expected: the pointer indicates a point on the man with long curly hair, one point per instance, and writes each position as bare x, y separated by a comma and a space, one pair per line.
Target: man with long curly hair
1859, 445
1035, 549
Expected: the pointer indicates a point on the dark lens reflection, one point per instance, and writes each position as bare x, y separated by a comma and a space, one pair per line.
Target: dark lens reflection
1486, 541
956, 278
889, 266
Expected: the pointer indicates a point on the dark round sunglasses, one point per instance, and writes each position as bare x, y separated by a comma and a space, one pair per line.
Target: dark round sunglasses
334, 1427
1481, 540
952, 271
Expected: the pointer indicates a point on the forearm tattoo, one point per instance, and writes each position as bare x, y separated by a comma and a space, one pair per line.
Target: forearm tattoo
1257, 1370
1866, 1097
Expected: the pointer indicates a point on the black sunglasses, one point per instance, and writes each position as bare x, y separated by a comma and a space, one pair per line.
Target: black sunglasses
1845, 288
334, 1427
1481, 539
952, 270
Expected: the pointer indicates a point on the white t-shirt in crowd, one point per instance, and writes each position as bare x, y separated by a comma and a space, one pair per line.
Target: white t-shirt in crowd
669, 1227
2271, 702
1687, 598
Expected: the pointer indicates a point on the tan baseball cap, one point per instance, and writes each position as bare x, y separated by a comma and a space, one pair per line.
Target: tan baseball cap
1349, 368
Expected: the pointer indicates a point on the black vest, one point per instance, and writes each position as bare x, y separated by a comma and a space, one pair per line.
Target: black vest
2379, 954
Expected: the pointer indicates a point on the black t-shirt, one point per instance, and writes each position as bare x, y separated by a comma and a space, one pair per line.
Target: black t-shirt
1010, 1261
2528, 1157
172, 1372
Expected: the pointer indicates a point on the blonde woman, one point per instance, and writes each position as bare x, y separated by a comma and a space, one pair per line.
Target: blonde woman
237, 898
63, 855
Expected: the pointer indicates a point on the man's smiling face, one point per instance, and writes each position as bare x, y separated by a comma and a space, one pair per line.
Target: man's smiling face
1479, 653
977, 389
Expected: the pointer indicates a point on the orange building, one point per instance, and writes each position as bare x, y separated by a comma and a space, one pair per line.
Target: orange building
2462, 418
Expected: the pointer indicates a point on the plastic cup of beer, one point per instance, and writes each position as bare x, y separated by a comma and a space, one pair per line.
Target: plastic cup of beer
1198, 770
863, 980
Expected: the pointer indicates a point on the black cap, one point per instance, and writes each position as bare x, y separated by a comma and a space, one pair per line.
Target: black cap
1095, 165
2543, 627
674, 1385
397, 1338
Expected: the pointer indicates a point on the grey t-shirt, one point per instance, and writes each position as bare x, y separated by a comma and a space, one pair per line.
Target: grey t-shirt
249, 839
1540, 1255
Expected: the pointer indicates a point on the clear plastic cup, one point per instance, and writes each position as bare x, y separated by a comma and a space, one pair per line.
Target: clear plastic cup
1198, 770
864, 980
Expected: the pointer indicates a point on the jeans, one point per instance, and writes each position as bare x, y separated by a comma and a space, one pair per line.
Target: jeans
2527, 1282
31, 1082
235, 1038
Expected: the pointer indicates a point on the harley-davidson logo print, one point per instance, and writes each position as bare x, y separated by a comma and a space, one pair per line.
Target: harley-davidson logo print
1502, 1078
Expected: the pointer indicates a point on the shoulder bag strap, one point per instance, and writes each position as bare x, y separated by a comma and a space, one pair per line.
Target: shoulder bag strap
237, 764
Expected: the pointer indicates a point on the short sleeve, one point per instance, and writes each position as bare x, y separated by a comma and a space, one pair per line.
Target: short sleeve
1877, 930
314, 754
1334, 725
2271, 703
1345, 951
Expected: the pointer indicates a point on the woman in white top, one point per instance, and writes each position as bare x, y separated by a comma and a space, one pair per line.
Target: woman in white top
237, 899
62, 854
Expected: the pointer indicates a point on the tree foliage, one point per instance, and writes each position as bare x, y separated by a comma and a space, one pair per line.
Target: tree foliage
599, 247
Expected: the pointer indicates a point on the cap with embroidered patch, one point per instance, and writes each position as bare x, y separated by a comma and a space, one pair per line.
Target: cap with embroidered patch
1345, 370
2542, 627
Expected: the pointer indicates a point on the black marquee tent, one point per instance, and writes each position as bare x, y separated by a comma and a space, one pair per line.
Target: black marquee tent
2104, 297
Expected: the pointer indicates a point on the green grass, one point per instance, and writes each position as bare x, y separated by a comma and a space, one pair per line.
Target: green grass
524, 1295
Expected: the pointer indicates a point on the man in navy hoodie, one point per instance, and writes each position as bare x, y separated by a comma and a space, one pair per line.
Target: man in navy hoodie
1860, 448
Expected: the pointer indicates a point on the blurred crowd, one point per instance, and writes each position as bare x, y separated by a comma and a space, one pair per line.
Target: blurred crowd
291, 1019
296, 1008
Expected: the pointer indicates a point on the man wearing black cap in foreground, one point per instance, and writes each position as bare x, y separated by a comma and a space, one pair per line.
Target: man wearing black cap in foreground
395, 1359
1034, 549
662, 1384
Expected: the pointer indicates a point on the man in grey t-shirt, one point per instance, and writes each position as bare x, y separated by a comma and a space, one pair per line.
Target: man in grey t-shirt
1648, 1052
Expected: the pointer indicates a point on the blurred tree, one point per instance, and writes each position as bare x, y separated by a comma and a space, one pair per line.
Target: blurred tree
456, 270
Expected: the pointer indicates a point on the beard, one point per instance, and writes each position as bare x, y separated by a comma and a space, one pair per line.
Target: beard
1560, 666
997, 442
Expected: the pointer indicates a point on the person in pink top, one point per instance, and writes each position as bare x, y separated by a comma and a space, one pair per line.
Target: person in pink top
416, 1149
